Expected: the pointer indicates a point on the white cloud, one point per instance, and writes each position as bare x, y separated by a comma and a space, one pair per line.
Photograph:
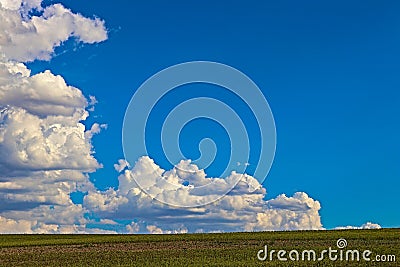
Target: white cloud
106, 201
31, 143
21, 4
11, 4
243, 209
9, 226
121, 165
299, 212
154, 229
95, 129
133, 228
93, 101
25, 38
43, 94
44, 219
62, 215
368, 225
45, 152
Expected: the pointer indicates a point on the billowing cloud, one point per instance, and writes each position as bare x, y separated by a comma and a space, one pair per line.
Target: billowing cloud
10, 226
43, 94
26, 38
30, 143
44, 219
242, 209
45, 150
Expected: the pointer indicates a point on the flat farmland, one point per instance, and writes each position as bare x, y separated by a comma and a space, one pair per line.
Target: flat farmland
224, 249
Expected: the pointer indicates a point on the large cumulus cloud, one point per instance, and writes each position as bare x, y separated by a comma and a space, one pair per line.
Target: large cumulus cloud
45, 150
43, 94
242, 209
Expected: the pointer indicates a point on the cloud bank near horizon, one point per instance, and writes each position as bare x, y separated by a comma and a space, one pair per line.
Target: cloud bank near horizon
367, 225
242, 209
46, 153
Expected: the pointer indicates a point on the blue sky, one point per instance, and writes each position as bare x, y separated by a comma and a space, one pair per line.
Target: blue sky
330, 73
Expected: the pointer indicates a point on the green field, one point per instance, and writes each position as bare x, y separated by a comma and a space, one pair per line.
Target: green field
228, 249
